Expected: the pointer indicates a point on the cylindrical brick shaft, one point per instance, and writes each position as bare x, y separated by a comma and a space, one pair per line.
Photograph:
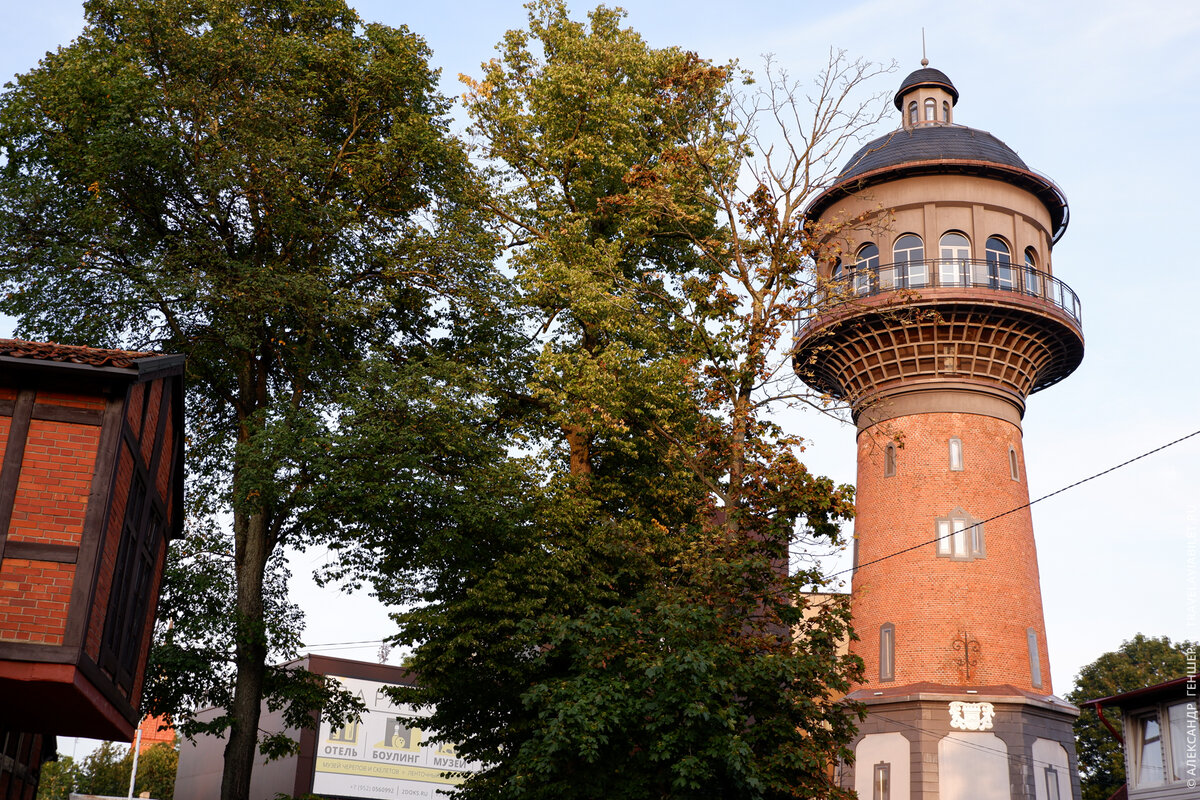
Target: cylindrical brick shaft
961, 610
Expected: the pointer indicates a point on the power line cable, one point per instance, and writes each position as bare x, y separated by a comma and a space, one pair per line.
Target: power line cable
1021, 507
339, 644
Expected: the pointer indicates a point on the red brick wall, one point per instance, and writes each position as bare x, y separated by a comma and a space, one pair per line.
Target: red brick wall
932, 601
34, 597
150, 423
164, 464
133, 407
50, 495
48, 508
152, 734
56, 476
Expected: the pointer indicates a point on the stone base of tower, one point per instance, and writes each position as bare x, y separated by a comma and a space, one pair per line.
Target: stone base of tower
930, 742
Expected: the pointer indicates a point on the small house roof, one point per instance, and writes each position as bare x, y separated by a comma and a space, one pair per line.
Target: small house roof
70, 353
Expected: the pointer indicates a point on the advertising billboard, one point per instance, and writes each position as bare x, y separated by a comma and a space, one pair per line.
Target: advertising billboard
387, 754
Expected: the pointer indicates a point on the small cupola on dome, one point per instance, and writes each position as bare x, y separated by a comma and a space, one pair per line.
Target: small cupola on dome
926, 97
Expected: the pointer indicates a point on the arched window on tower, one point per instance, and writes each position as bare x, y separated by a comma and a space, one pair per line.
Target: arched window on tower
887, 652
912, 113
1035, 659
1033, 281
889, 460
930, 110
837, 281
945, 111
956, 455
1014, 467
908, 257
999, 261
866, 264
954, 257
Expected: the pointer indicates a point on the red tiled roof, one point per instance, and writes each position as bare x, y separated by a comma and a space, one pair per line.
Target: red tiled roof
49, 351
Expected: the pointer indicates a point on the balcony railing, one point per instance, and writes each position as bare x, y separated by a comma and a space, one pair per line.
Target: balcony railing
940, 273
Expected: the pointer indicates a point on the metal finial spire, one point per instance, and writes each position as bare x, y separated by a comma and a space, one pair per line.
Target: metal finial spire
924, 60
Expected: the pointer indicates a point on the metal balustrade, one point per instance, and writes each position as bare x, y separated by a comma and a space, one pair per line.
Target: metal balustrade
941, 273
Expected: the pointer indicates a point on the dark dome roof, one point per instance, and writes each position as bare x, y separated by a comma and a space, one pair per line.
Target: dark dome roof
930, 143
926, 76
941, 150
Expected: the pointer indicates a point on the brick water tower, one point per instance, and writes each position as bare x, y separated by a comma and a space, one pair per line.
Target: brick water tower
945, 316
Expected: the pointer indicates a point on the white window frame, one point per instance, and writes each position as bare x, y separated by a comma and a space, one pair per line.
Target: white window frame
1051, 783
887, 652
956, 454
999, 257
1174, 768
960, 537
864, 267
954, 254
908, 255
1033, 285
1138, 751
1035, 658
881, 781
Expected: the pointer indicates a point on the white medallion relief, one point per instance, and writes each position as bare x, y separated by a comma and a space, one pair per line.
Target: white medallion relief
971, 716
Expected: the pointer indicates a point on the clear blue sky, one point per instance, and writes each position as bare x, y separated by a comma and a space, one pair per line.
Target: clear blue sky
1101, 96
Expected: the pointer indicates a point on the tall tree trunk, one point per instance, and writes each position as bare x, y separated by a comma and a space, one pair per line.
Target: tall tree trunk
580, 444
579, 440
250, 654
739, 428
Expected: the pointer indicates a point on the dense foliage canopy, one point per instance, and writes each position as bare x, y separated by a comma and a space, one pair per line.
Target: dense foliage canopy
615, 615
105, 772
269, 189
560, 462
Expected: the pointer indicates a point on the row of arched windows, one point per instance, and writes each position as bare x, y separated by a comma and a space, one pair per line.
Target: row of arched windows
952, 245
954, 264
930, 111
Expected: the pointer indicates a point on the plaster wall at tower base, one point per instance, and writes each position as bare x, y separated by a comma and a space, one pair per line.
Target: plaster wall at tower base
1024, 743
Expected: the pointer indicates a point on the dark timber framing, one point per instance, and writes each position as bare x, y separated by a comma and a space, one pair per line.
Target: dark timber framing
74, 693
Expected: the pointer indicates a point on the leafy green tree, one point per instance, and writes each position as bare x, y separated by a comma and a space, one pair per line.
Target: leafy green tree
195, 624
106, 770
1140, 662
156, 771
617, 617
58, 779
269, 189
